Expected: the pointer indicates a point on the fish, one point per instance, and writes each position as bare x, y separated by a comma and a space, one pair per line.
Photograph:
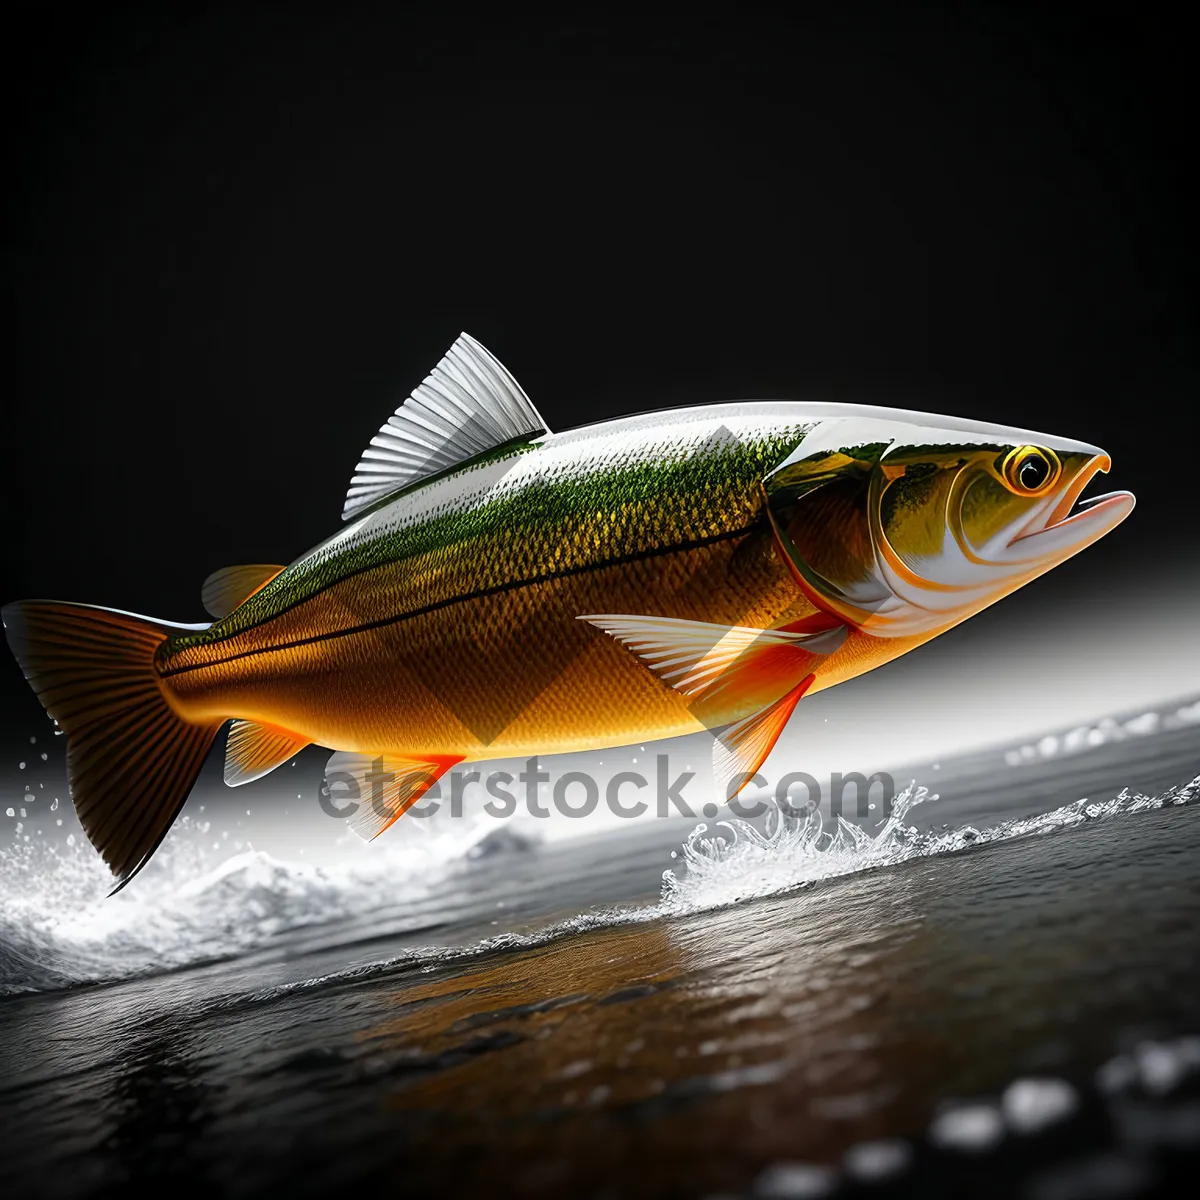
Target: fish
500, 590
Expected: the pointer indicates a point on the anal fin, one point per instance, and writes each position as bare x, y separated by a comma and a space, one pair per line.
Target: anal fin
225, 589
380, 788
743, 747
253, 750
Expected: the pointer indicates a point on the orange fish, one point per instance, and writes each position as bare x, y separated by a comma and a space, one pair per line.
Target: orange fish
498, 590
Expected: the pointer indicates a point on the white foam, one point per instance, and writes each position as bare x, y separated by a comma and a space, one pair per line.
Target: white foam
742, 862
195, 902
1103, 733
60, 926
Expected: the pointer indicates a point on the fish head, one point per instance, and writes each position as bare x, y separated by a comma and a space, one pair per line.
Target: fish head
906, 524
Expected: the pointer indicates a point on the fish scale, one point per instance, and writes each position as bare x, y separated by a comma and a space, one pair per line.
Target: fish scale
470, 607
499, 590
466, 589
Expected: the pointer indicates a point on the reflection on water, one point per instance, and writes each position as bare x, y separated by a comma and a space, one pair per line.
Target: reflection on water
692, 1053
683, 1056
680, 1049
160, 1099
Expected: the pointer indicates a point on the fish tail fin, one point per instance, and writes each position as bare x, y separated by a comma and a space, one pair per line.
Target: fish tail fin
131, 759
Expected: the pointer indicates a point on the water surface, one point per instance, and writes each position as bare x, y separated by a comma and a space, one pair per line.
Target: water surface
997, 993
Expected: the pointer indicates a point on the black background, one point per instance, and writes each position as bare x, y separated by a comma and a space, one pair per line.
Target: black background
235, 239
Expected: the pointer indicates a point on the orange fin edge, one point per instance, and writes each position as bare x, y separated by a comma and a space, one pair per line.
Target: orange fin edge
741, 749
376, 790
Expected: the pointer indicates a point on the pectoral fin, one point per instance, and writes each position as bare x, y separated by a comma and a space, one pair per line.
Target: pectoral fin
729, 669
701, 660
254, 750
741, 748
381, 789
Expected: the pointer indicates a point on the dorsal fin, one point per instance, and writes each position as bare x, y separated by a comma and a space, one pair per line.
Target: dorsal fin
469, 404
225, 589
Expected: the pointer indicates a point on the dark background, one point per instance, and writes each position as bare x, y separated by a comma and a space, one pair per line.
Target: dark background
235, 239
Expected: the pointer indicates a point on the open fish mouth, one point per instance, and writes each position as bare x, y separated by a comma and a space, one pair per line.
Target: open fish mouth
1071, 517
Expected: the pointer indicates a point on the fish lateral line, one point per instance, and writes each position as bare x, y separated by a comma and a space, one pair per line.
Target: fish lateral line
450, 601
892, 525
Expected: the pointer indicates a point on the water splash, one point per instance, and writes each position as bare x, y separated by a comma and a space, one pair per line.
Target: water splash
59, 926
743, 863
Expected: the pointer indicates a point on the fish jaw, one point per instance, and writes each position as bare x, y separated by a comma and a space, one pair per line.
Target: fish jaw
899, 528
1072, 524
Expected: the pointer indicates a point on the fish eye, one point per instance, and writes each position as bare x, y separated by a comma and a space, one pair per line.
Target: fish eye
1030, 470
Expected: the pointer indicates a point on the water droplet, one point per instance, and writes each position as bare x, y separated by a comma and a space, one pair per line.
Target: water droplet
973, 1127
795, 1179
54, 806
45, 756
1030, 1105
22, 766
8, 812
33, 741
875, 1162
58, 821
70, 839
22, 814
